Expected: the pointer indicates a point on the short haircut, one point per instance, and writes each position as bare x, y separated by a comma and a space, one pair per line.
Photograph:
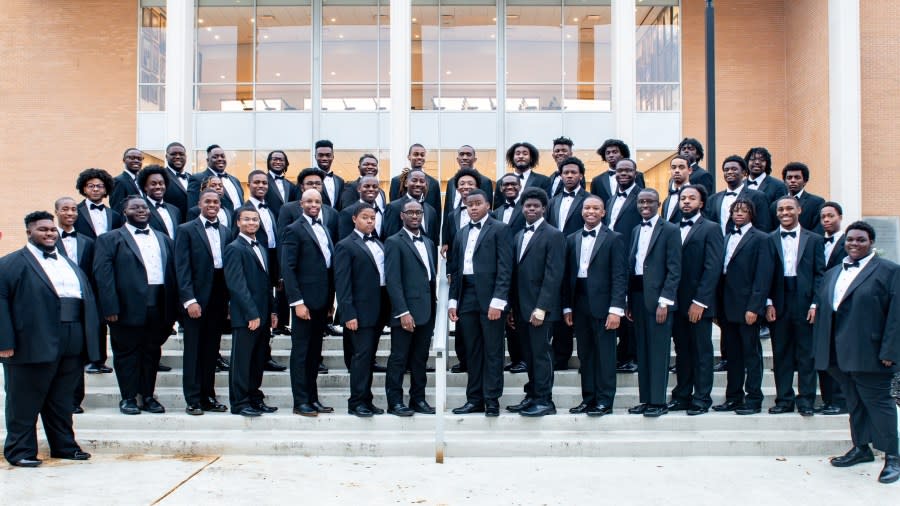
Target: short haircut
88, 174
564, 141
205, 184
572, 160
151, 170
865, 227
594, 197
745, 203
837, 207
256, 172
626, 159
699, 189
738, 160
533, 192
310, 171
269, 159
212, 147
759, 150
424, 174
59, 202
359, 209
476, 192
787, 197
131, 197
245, 209
533, 151
173, 144
686, 158
466, 146
623, 148
648, 190
364, 156
466, 172
130, 149
210, 191
690, 141
324, 143
414, 145
509, 174
795, 166
408, 203
37, 216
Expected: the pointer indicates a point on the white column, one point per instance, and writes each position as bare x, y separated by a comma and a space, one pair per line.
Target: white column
624, 70
315, 98
180, 74
500, 168
844, 101
401, 73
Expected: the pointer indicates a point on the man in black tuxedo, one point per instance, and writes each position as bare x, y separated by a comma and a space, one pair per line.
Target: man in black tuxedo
465, 158
759, 178
654, 264
368, 167
510, 214
535, 305
679, 175
429, 223
94, 217
523, 157
741, 305
623, 217
306, 267
799, 262
199, 268
281, 190
416, 157
562, 149
593, 297
48, 321
134, 268
702, 250
830, 216
481, 270
734, 169
369, 191
857, 339
359, 280
216, 162
214, 183
177, 179
796, 176
564, 213
332, 184
466, 180
410, 269
308, 179
691, 147
607, 184
80, 250
126, 182
252, 315
164, 217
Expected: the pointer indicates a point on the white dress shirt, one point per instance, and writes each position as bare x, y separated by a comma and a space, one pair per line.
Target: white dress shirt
215, 246
687, 230
790, 247
528, 234
267, 219
731, 243
644, 235
70, 245
618, 203
829, 245
62, 275
165, 216
611, 181
508, 211
256, 249
464, 218
423, 253
846, 277
584, 262
151, 254
469, 266
173, 176
321, 238
377, 253
329, 188
523, 179
565, 204
755, 183
230, 189
98, 218
727, 200
674, 200
280, 185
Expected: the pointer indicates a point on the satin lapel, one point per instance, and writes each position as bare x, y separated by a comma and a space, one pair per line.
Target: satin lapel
305, 224
129, 240
862, 276
86, 214
37, 267
801, 243
362, 244
575, 203
409, 244
830, 282
163, 253
81, 245
692, 230
534, 237
740, 244
519, 240
274, 188
778, 244
200, 228
602, 235
484, 229
653, 236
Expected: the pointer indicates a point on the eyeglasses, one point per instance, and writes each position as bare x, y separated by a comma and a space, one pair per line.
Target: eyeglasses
413, 213
95, 187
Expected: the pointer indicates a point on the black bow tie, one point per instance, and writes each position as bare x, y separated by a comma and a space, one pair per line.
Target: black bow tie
316, 221
622, 194
145, 231
278, 177
65, 234
418, 238
212, 224
159, 205
475, 225
586, 233
521, 176
529, 228
262, 206
53, 255
611, 173
687, 223
254, 244
847, 265
751, 182
731, 194
376, 208
507, 205
646, 224
99, 207
735, 231
829, 239
220, 174
568, 194
788, 234
181, 175
673, 191
370, 237
329, 174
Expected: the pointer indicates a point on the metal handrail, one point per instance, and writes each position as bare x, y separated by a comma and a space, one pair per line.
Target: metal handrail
439, 346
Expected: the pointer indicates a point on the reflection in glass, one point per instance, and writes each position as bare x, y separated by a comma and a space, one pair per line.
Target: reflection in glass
355, 41
152, 61
224, 38
283, 43
225, 97
533, 42
658, 56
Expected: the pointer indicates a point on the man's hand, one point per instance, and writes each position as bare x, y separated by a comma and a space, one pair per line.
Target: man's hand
695, 312
6, 353
301, 311
408, 323
535, 322
811, 315
113, 318
661, 314
194, 310
274, 320
770, 314
352, 325
750, 317
570, 320
254, 324
613, 321
444, 249
886, 363
511, 320
494, 314
451, 313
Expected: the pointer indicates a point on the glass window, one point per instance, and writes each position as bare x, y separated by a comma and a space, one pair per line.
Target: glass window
346, 165
224, 66
283, 54
658, 56
587, 56
152, 64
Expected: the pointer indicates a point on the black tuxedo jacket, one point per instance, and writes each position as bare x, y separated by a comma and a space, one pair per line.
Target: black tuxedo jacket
676, 214
156, 221
432, 194
866, 325
662, 265
574, 222
600, 185
291, 211
194, 260
85, 253
350, 195
338, 191
392, 223
177, 196
772, 188
262, 235
516, 220
838, 253
122, 279
484, 184
810, 268
356, 281
628, 217
810, 207
345, 222
407, 278
701, 266
196, 180
702, 177
248, 284
273, 197
607, 275
451, 227
29, 311
85, 226
761, 219
534, 180
746, 284
538, 274
306, 276
123, 186
194, 213
492, 262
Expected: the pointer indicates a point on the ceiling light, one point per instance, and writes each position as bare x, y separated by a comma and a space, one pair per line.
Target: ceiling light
265, 36
253, 20
575, 20
200, 21
333, 20
221, 77
277, 74
333, 73
208, 28
413, 20
448, 72
216, 37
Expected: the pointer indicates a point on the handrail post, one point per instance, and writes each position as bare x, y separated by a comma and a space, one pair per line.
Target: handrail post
439, 344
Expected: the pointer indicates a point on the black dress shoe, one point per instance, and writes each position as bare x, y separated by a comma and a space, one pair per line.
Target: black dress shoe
580, 409
747, 410
538, 409
599, 410
856, 455
422, 407
76, 455
321, 408
493, 411
151, 405
163, 368
282, 330
721, 366
400, 410
323, 369
468, 408
727, 406
77, 410
515, 408
104, 369
273, 366
678, 406
458, 368
212, 404
638, 410
375, 409
780, 409
92, 369
129, 407
832, 410
560, 367
891, 471
331, 330
376, 367
806, 411
27, 462
264, 408
507, 366
655, 411
671, 368
222, 364
695, 410
249, 412
518, 368
305, 410
193, 409
628, 367
361, 411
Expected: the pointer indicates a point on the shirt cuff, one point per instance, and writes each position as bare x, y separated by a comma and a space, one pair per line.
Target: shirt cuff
617, 311
567, 310
704, 306
498, 304
812, 306
188, 303
402, 314
663, 300
297, 303
769, 302
451, 304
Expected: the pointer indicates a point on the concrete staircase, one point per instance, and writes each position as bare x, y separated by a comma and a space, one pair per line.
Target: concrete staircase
103, 429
